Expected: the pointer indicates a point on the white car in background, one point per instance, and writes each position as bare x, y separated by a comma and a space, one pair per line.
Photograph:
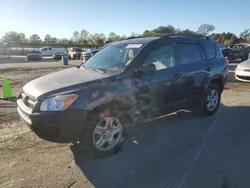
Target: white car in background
48, 51
242, 72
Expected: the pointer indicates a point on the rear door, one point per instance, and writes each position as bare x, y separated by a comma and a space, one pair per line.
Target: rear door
194, 68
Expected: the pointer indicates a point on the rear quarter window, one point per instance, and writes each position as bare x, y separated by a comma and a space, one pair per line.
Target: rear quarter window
210, 49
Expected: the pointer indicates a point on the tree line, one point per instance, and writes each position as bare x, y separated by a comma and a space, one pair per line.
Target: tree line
83, 37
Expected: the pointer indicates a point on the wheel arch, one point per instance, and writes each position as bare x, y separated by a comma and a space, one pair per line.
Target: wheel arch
219, 81
121, 104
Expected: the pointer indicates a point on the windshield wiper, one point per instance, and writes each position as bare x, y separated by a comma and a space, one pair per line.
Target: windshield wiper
95, 69
99, 70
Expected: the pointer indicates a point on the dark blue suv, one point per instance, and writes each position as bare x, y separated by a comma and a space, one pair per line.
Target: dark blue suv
125, 83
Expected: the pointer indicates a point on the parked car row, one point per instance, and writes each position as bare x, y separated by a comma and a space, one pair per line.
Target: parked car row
75, 53
236, 52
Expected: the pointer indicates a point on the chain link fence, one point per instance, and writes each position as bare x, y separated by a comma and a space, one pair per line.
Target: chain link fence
6, 50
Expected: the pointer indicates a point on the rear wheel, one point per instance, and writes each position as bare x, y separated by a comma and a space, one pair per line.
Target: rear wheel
209, 103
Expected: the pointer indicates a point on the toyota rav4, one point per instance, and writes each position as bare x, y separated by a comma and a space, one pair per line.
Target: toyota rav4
124, 83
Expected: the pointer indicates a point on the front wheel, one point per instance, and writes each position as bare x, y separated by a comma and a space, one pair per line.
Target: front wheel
209, 103
104, 135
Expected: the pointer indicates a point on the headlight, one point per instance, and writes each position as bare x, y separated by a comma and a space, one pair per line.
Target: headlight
58, 103
239, 68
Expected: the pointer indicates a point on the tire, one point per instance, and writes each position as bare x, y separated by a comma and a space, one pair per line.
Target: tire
202, 104
246, 58
95, 121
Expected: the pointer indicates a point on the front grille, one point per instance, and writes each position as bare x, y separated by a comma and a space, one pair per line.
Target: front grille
243, 77
28, 101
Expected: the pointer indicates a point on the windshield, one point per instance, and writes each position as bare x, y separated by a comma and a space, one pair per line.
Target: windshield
114, 57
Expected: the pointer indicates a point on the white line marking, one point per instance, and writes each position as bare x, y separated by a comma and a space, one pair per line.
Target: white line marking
196, 157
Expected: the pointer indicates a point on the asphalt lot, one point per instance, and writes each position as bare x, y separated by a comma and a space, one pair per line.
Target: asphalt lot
178, 150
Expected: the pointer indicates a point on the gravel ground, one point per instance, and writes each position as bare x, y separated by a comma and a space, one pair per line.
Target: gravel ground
178, 150
19, 77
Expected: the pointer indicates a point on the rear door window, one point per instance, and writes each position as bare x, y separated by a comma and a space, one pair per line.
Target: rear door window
189, 53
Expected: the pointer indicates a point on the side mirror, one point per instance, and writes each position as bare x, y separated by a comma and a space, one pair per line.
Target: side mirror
145, 69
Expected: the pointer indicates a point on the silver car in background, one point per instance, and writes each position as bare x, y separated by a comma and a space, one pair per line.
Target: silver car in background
242, 72
87, 54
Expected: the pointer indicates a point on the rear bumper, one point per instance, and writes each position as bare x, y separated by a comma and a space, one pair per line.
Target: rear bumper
63, 126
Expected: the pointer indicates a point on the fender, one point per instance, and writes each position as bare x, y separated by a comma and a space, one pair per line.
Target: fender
124, 100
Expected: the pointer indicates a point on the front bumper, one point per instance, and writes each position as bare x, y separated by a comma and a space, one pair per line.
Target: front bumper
242, 75
60, 126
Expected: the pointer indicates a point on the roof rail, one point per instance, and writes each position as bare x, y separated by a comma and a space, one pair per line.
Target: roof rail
185, 35
135, 37
170, 35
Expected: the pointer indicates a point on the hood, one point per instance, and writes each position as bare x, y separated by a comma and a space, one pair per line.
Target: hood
245, 64
61, 82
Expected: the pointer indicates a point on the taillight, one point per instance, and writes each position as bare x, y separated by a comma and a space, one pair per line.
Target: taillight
225, 60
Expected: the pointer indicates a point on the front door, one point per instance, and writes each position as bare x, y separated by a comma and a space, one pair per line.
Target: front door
158, 90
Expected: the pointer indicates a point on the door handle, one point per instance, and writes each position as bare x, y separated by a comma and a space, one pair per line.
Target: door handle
208, 69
